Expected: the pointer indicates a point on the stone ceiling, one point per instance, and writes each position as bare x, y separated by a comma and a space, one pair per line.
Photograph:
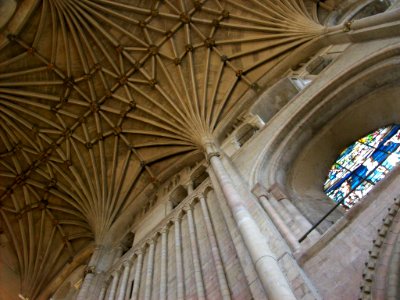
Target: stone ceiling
99, 98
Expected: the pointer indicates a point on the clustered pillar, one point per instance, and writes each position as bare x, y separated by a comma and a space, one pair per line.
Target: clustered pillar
124, 280
163, 271
149, 272
223, 284
266, 264
279, 223
119, 284
195, 254
138, 270
178, 252
114, 284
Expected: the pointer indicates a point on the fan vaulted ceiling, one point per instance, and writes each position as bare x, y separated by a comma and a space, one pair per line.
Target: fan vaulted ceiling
97, 98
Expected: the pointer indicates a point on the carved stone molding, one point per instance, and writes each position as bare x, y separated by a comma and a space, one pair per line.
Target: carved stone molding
372, 271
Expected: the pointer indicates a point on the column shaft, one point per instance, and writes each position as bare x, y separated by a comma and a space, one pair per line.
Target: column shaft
281, 210
124, 281
163, 267
195, 255
88, 280
179, 266
103, 292
138, 270
279, 223
149, 272
114, 284
223, 284
87, 283
267, 267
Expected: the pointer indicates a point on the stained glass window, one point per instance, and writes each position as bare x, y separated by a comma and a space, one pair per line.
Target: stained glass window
363, 164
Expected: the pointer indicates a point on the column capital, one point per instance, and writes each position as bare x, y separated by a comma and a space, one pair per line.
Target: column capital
187, 207
259, 190
189, 185
213, 154
90, 270
127, 263
164, 229
177, 217
116, 272
151, 240
107, 281
139, 251
276, 191
201, 196
210, 148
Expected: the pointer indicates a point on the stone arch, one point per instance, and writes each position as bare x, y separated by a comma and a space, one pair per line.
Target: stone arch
370, 8
177, 195
326, 124
198, 176
353, 10
207, 190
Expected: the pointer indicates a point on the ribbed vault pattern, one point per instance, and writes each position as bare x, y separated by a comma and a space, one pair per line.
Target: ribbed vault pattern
97, 98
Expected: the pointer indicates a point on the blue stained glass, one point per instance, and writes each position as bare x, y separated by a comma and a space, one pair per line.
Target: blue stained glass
336, 173
391, 161
340, 192
373, 139
363, 164
355, 157
377, 175
391, 144
359, 192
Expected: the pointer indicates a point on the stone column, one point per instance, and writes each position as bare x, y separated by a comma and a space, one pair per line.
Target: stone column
163, 267
301, 224
138, 270
89, 274
124, 280
195, 254
266, 264
114, 284
169, 206
87, 282
103, 290
180, 291
273, 195
189, 187
280, 209
223, 284
298, 216
149, 272
280, 224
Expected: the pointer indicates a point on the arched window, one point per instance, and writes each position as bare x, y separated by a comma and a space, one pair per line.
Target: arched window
373, 8
363, 164
177, 196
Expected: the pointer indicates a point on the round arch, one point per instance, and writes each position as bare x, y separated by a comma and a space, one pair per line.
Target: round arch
353, 10
299, 156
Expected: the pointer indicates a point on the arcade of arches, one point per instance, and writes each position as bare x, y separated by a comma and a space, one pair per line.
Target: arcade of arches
178, 149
